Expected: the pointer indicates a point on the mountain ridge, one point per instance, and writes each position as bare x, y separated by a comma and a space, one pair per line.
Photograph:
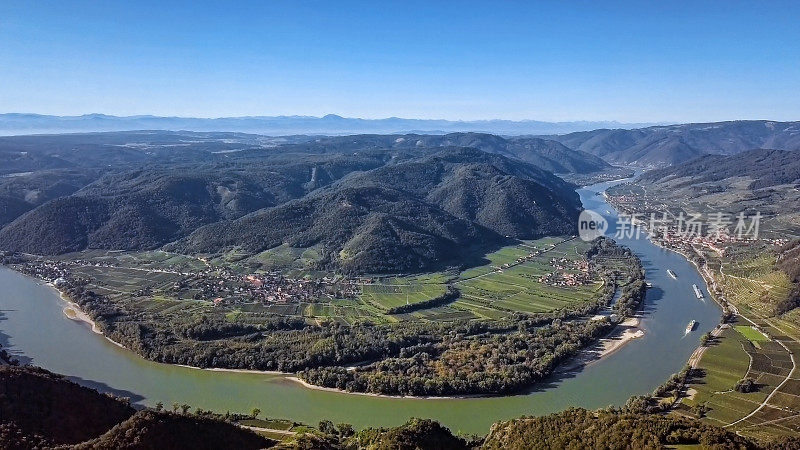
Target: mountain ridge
30, 123
672, 144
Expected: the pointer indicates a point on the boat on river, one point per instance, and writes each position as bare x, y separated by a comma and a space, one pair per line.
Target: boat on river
672, 274
697, 291
690, 327
72, 349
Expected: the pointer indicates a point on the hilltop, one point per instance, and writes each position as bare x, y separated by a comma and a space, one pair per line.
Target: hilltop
409, 216
673, 144
372, 202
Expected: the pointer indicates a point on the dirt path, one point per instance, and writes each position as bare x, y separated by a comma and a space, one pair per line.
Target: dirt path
694, 360
269, 430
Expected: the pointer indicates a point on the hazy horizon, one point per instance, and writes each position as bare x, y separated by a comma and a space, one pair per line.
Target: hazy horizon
625, 62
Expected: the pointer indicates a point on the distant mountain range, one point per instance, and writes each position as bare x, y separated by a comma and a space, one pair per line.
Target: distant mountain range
672, 144
16, 123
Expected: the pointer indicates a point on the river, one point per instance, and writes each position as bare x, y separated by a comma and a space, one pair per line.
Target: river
34, 328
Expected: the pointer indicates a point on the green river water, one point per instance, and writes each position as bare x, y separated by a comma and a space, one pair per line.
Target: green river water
34, 328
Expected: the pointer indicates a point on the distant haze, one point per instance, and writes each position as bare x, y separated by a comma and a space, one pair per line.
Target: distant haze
17, 124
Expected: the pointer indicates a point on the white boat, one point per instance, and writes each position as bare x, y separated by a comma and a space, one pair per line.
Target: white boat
690, 327
649, 284
672, 274
697, 291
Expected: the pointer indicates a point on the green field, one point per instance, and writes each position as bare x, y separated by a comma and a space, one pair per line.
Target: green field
392, 292
508, 283
734, 356
753, 335
723, 364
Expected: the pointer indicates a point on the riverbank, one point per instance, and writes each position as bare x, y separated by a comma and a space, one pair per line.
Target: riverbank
625, 332
632, 369
74, 312
607, 346
372, 394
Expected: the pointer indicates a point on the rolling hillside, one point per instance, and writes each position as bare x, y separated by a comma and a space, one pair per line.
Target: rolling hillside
546, 154
673, 144
410, 216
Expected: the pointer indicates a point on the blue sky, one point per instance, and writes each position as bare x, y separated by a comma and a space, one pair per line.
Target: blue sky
635, 61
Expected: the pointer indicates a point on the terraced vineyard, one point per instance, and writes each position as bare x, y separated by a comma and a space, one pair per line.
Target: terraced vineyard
511, 282
744, 352
751, 279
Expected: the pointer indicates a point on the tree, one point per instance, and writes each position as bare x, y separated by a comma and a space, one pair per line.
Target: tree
255, 412
345, 430
745, 385
159, 406
185, 408
705, 339
175, 407
326, 427
701, 410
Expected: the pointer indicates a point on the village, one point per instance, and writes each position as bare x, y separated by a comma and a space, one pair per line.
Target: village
565, 273
221, 286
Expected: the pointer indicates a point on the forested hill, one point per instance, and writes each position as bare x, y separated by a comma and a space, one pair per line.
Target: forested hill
148, 207
764, 167
546, 154
40, 409
673, 144
371, 209
408, 216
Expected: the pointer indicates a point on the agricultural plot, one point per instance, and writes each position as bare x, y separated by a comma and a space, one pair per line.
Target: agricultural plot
511, 282
735, 356
723, 364
752, 280
286, 257
386, 296
752, 335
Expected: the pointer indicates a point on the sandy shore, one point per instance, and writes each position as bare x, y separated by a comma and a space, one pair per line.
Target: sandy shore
630, 331
626, 331
73, 312
371, 394
250, 371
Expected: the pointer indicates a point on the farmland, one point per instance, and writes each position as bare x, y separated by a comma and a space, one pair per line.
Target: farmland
439, 324
512, 280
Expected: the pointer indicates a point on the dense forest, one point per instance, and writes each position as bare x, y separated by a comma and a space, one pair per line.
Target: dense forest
765, 167
370, 208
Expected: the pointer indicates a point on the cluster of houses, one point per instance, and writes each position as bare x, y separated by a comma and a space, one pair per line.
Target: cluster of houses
55, 272
567, 273
218, 285
226, 288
